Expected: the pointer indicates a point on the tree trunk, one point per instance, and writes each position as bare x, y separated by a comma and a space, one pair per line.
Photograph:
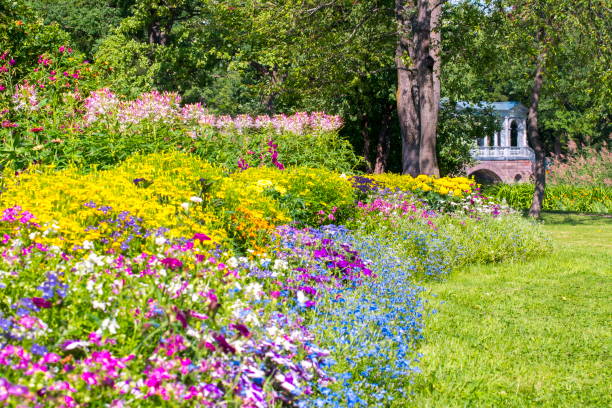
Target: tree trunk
535, 140
367, 144
428, 102
557, 145
407, 104
383, 144
436, 46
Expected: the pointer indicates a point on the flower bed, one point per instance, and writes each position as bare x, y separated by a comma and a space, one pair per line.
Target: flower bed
167, 281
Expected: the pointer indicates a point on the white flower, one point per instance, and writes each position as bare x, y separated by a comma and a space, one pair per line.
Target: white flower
280, 264
109, 325
88, 244
90, 285
185, 206
301, 298
253, 290
99, 305
196, 199
232, 262
272, 331
77, 344
159, 241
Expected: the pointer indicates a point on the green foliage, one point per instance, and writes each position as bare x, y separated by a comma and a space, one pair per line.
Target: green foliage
24, 36
131, 70
458, 130
590, 199
162, 45
489, 55
469, 241
489, 239
104, 147
87, 21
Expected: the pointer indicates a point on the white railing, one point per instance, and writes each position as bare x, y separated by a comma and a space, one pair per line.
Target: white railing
503, 153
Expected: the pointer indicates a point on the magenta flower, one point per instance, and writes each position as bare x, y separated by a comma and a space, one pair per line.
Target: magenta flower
242, 164
89, 378
12, 62
172, 263
62, 49
201, 237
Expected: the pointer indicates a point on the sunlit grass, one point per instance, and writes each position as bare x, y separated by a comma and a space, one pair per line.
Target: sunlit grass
525, 334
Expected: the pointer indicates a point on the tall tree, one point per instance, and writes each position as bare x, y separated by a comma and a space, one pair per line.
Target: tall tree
417, 59
548, 32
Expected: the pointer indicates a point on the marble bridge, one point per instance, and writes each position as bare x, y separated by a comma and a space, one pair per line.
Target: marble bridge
506, 155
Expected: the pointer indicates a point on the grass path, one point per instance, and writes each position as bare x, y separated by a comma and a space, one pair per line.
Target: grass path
535, 334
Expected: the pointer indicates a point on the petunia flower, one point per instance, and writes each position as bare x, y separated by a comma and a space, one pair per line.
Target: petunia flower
201, 237
41, 302
172, 263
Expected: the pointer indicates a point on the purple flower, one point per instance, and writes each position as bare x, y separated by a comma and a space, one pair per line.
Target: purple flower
41, 302
38, 349
242, 329
222, 342
181, 317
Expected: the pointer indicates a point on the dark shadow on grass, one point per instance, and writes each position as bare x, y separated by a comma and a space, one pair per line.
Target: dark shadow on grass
574, 218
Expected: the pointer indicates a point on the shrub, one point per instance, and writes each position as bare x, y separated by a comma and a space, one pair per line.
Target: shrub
587, 168
49, 121
592, 199
474, 230
308, 196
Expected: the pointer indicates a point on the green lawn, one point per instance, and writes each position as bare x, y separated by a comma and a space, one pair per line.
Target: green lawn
533, 334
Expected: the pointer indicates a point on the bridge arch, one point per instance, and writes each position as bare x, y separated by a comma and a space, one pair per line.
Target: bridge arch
501, 171
485, 176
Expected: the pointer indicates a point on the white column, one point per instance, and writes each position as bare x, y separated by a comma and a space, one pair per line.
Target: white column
523, 134
506, 134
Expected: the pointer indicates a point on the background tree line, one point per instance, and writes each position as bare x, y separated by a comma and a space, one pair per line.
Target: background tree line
383, 65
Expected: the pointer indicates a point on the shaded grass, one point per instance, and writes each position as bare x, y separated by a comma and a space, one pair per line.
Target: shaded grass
525, 334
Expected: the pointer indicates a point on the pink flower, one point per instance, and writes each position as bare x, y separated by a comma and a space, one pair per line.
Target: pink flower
89, 378
37, 129
172, 263
62, 49
201, 237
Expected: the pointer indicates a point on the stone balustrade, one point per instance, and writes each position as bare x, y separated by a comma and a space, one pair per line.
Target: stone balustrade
503, 153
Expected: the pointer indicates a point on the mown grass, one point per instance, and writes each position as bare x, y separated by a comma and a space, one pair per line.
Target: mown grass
532, 334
